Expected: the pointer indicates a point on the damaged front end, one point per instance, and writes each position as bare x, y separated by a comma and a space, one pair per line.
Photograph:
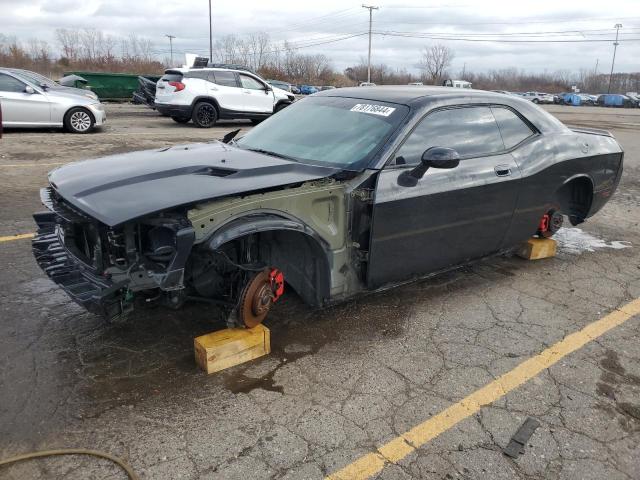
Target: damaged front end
102, 267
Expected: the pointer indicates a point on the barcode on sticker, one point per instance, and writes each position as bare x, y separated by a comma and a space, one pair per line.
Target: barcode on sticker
373, 109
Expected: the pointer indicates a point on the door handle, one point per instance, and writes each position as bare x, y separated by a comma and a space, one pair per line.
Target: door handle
503, 170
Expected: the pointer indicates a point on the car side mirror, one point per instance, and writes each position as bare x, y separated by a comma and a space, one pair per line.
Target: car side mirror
434, 157
440, 157
267, 88
29, 89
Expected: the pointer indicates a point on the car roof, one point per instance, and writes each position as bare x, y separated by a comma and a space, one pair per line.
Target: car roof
415, 95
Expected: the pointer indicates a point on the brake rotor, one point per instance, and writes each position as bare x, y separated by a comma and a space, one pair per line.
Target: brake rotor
258, 296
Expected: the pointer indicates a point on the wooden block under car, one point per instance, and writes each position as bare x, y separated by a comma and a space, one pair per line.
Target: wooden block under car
232, 346
537, 248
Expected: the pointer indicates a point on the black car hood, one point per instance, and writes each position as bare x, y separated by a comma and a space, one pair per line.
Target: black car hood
119, 188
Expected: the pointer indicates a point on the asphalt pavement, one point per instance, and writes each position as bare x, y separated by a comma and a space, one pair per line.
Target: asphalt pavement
344, 385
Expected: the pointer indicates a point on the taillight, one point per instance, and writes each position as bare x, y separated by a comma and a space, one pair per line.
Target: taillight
177, 85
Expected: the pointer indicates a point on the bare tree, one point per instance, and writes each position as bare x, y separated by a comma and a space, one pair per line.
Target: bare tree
435, 60
69, 41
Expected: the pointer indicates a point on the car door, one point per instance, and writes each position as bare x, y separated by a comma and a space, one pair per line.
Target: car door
224, 86
450, 216
256, 98
22, 106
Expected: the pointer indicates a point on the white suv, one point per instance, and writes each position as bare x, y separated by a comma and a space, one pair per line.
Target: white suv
538, 97
205, 95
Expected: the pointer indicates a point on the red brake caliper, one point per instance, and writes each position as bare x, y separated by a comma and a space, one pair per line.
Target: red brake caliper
544, 223
276, 278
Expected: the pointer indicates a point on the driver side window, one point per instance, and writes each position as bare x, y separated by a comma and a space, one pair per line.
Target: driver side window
10, 84
250, 83
471, 131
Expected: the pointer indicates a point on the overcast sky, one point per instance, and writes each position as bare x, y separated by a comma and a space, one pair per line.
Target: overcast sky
460, 24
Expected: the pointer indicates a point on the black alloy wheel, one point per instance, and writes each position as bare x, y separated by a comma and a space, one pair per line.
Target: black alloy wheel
204, 115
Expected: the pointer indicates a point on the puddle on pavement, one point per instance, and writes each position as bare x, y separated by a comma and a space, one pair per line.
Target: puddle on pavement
575, 241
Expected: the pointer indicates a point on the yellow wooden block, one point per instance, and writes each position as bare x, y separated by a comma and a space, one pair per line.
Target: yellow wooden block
232, 346
537, 248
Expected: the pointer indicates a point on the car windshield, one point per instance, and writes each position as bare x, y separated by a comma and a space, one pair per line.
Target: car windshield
36, 78
332, 131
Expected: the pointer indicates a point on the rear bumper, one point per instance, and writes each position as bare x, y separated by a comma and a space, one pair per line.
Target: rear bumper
183, 111
95, 293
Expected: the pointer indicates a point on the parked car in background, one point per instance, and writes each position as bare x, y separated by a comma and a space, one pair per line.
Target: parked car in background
295, 89
204, 95
26, 103
456, 83
504, 92
326, 87
146, 92
308, 90
366, 84
571, 98
400, 177
538, 97
416, 83
616, 100
635, 96
588, 99
47, 84
280, 84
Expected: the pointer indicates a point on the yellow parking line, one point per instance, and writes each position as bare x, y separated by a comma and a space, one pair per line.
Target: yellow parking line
20, 236
31, 164
401, 446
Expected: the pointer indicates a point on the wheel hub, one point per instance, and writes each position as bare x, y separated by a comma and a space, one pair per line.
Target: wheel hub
258, 295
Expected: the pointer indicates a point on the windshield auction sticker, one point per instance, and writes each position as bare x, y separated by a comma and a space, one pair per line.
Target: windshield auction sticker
373, 109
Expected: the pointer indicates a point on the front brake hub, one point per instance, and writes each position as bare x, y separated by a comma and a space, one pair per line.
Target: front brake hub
258, 295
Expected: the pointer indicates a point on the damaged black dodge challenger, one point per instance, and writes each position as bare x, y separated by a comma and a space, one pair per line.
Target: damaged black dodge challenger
346, 191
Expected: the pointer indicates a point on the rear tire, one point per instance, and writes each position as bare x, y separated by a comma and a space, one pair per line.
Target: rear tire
181, 119
536, 101
204, 115
78, 120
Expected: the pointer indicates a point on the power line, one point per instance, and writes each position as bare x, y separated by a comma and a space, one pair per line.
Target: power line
491, 40
523, 21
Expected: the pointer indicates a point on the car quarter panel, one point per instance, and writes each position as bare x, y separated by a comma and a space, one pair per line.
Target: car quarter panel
552, 160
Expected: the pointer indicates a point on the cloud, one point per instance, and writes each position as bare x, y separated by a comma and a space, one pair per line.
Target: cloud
304, 23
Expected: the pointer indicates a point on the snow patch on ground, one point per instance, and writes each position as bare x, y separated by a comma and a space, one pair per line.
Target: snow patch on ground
575, 241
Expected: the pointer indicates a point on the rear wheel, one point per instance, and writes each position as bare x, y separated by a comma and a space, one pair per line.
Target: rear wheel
204, 115
181, 119
78, 120
535, 100
550, 223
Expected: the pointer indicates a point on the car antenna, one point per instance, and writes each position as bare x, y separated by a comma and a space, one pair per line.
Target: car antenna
230, 136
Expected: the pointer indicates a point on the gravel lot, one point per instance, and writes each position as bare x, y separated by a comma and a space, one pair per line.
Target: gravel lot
339, 382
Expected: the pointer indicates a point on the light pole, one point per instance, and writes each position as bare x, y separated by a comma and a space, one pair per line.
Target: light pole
210, 36
371, 9
613, 61
170, 37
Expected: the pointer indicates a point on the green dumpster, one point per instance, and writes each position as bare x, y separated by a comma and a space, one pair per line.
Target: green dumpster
112, 86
